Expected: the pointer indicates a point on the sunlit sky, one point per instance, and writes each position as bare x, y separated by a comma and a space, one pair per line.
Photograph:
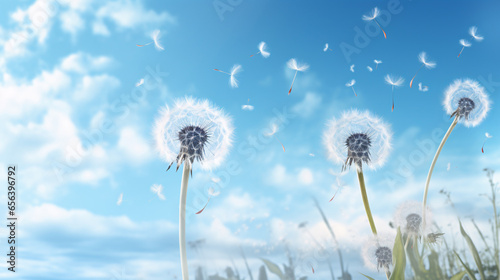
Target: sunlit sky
80, 130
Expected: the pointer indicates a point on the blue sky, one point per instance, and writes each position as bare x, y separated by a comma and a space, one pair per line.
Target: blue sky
68, 67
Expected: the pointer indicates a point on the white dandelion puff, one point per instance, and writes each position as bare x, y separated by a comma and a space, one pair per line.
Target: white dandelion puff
155, 35
394, 82
262, 50
292, 64
408, 217
193, 130
373, 16
473, 33
351, 85
468, 100
158, 190
327, 47
356, 138
377, 62
234, 71
351, 68
369, 68
139, 83
422, 57
377, 252
465, 44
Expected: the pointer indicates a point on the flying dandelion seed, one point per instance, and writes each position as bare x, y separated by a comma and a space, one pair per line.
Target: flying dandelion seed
292, 64
351, 68
235, 70
473, 33
156, 41
247, 107
394, 82
351, 84
448, 166
488, 136
357, 138
274, 129
199, 212
372, 16
262, 50
192, 130
158, 190
465, 44
377, 62
139, 83
467, 101
213, 192
369, 68
327, 48
422, 87
120, 200
422, 57
311, 155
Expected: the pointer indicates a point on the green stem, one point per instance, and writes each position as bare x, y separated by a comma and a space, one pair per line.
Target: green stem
452, 126
365, 201
182, 221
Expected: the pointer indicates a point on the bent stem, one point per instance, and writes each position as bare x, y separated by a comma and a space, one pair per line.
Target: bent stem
365, 201
182, 221
452, 126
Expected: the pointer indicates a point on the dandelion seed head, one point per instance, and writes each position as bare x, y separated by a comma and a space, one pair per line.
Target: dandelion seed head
422, 57
467, 99
373, 15
263, 49
358, 132
408, 217
193, 130
292, 64
234, 71
350, 83
473, 33
393, 81
377, 251
465, 43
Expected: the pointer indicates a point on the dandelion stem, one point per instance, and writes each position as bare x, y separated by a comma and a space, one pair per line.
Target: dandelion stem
182, 221
365, 201
452, 126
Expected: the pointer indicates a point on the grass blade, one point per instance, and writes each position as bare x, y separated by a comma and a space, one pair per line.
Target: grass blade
367, 276
398, 254
467, 269
474, 252
458, 276
273, 268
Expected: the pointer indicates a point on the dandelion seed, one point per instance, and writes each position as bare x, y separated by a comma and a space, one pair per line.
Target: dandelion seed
139, 83
334, 195
158, 190
156, 40
377, 62
422, 57
372, 16
311, 155
262, 50
274, 129
394, 82
213, 192
120, 200
215, 179
247, 107
199, 212
465, 44
473, 33
369, 68
351, 68
235, 70
292, 64
487, 135
433, 238
422, 88
448, 167
327, 48
192, 130
351, 84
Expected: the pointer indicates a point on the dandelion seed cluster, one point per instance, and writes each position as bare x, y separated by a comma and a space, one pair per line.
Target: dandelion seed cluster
466, 99
384, 257
377, 251
413, 222
408, 217
358, 149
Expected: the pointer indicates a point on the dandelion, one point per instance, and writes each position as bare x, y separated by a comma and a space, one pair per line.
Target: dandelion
262, 50
247, 107
433, 238
351, 68
487, 135
377, 252
465, 44
374, 14
351, 84
192, 130
377, 62
422, 57
292, 64
120, 200
369, 68
357, 138
422, 87
473, 33
156, 40
274, 129
235, 70
394, 82
407, 217
158, 190
327, 48
467, 101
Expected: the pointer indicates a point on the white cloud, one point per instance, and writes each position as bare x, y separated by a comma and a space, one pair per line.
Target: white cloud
280, 177
83, 63
92, 86
305, 176
100, 28
134, 146
308, 105
72, 22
